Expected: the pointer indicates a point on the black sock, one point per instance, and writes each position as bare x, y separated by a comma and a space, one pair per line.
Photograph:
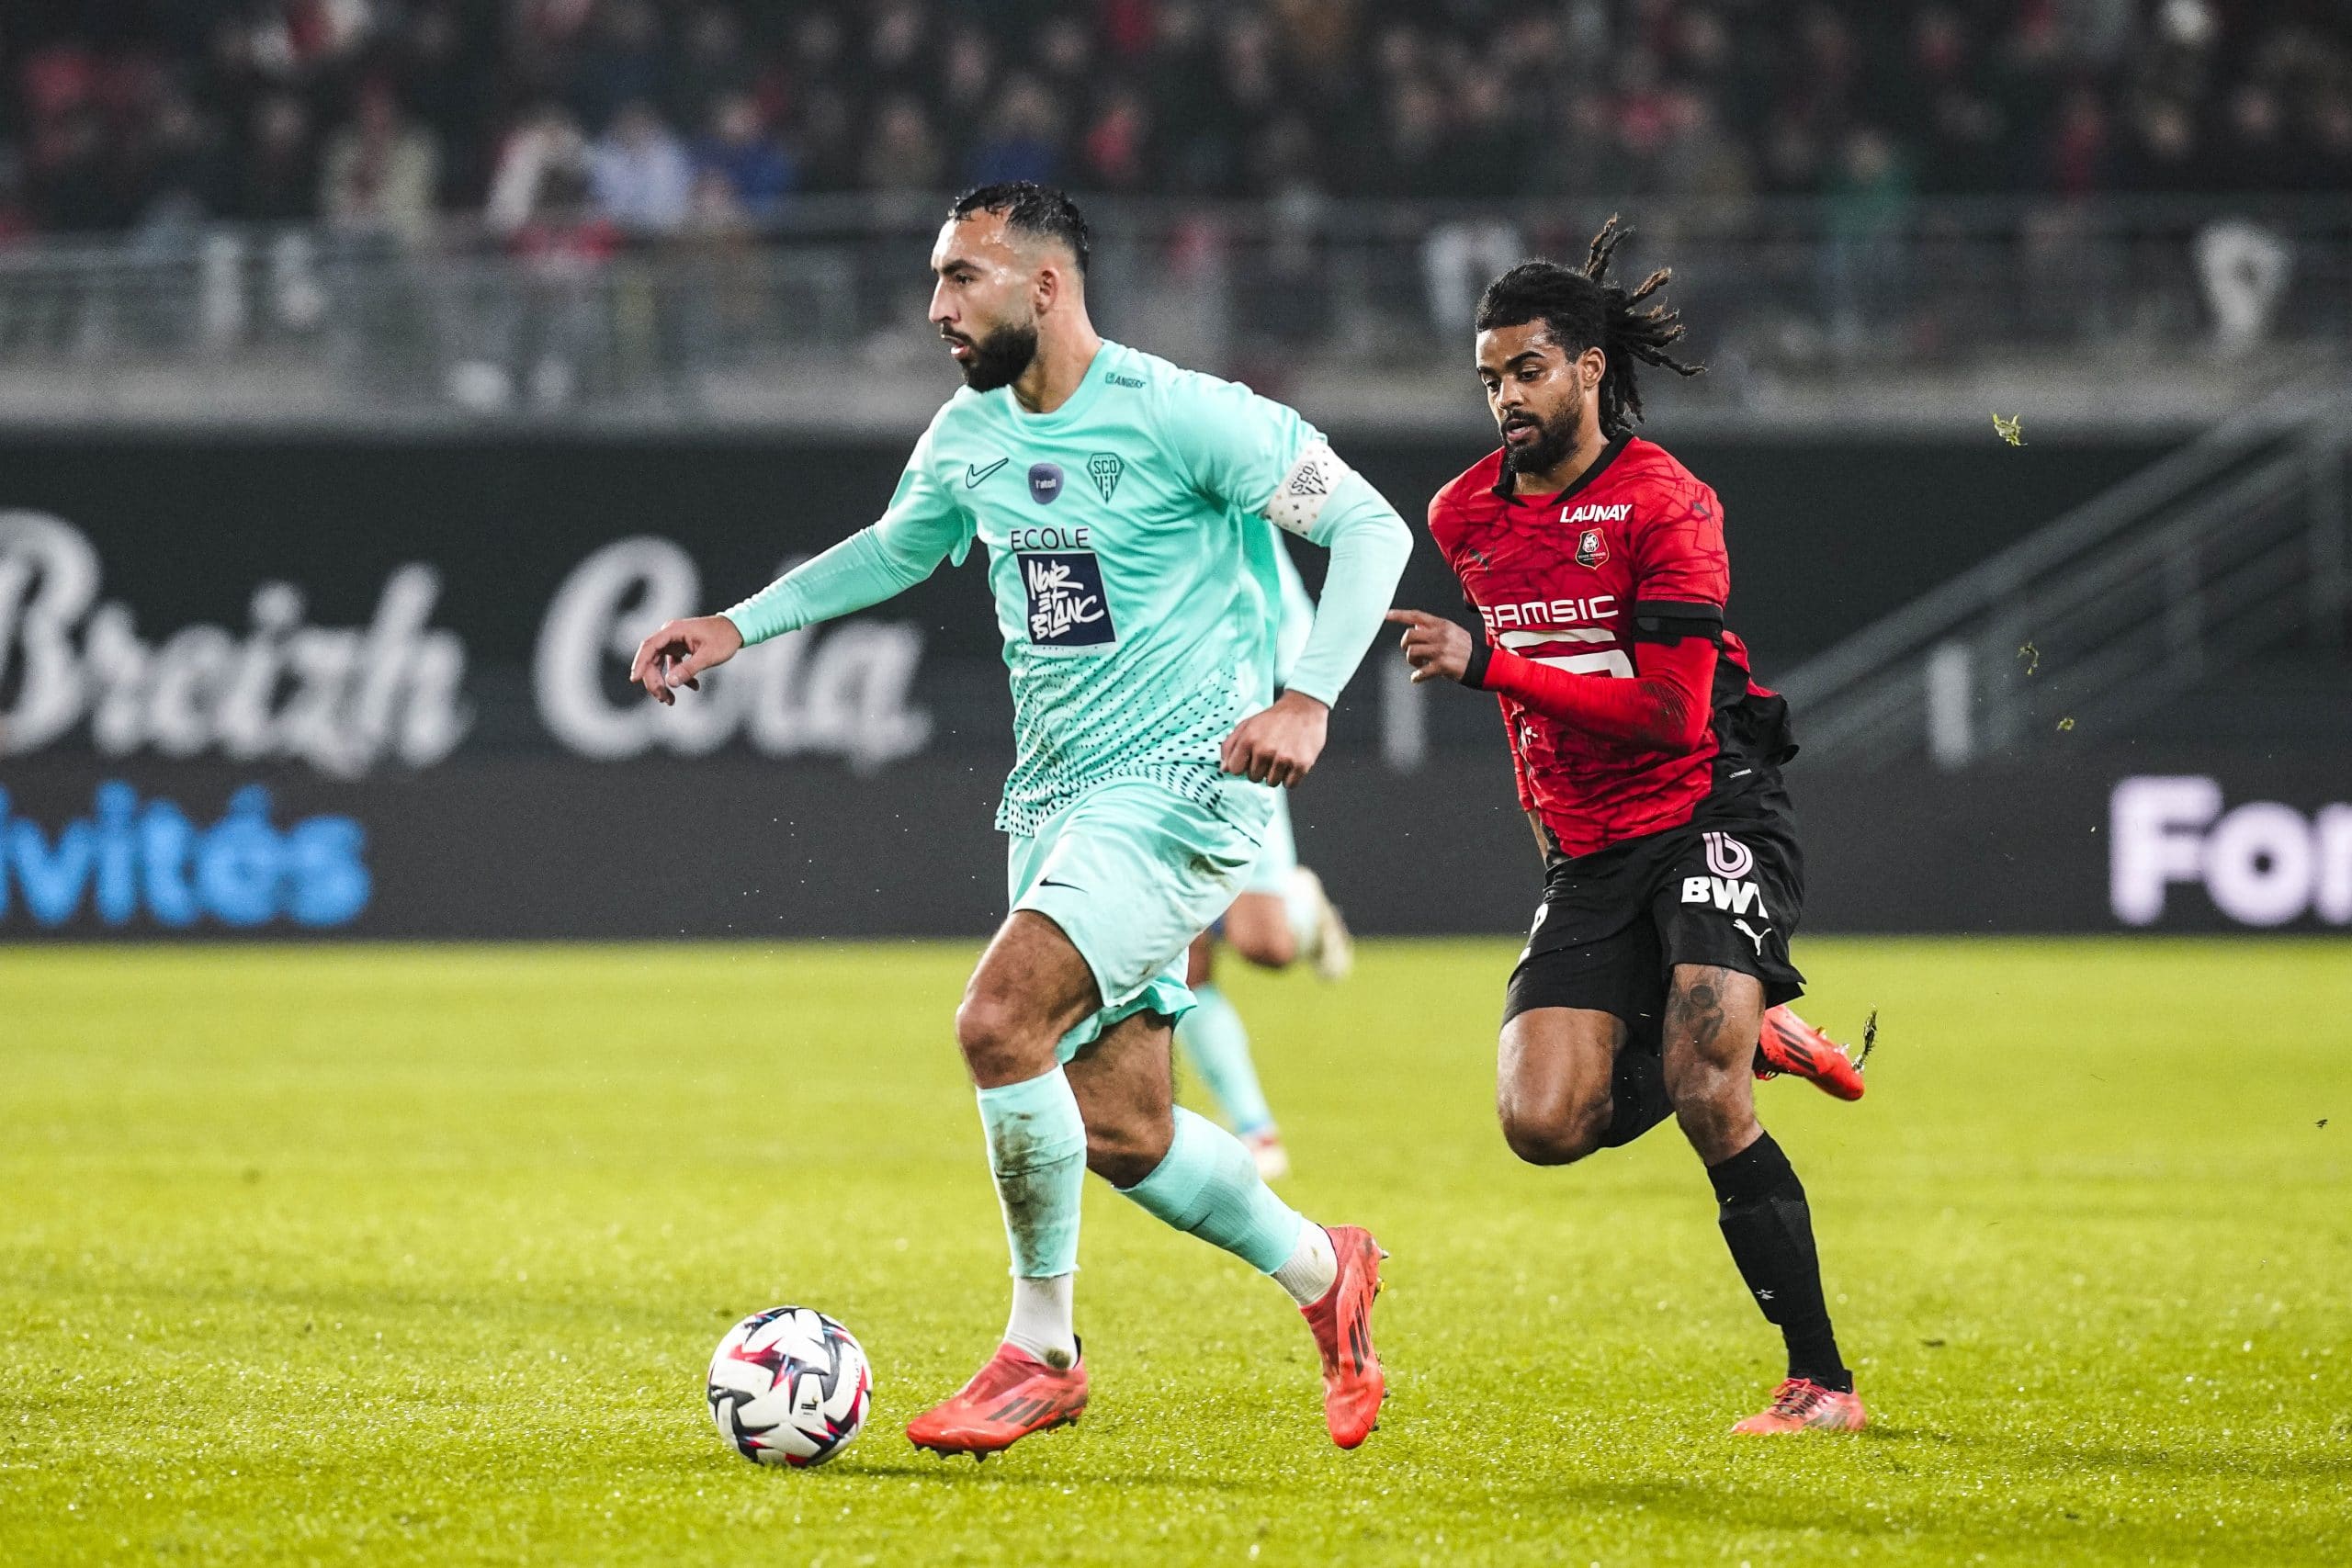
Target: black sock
1637, 1098
1761, 1207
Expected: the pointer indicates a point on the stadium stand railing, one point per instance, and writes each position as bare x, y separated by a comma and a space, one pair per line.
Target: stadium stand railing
1808, 311
2227, 557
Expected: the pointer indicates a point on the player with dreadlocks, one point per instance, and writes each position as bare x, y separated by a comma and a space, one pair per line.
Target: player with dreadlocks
1649, 761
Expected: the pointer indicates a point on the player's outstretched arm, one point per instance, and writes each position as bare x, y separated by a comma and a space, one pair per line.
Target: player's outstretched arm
1664, 707
921, 528
681, 650
856, 574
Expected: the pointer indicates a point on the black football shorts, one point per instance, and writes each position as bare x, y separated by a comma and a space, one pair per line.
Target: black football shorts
1726, 891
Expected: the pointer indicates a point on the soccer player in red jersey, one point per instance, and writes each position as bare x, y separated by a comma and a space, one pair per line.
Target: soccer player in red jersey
1649, 761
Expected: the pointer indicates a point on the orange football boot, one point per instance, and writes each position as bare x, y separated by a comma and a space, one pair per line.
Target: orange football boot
1353, 1385
1012, 1396
1789, 1044
1800, 1404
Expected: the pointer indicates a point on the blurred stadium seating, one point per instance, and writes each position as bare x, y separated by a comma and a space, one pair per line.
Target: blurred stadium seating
689, 111
356, 209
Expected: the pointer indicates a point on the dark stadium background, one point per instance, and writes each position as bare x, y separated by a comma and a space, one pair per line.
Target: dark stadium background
309, 293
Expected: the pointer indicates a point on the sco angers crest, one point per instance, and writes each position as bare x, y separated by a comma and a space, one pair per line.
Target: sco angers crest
1591, 548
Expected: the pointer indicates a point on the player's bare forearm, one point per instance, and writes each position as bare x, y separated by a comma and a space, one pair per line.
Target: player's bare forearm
1278, 745
677, 653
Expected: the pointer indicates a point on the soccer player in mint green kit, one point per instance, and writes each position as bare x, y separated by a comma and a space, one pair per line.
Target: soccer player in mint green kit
1124, 504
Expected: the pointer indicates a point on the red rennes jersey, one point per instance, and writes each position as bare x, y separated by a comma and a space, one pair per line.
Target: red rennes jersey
1557, 579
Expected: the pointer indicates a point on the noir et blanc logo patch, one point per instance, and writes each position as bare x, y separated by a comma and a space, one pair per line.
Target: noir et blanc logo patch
1067, 608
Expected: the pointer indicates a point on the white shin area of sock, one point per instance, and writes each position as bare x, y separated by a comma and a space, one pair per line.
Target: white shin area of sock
1313, 1267
1303, 912
1041, 1325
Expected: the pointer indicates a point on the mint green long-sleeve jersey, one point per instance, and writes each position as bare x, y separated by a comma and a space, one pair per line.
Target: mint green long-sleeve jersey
1133, 566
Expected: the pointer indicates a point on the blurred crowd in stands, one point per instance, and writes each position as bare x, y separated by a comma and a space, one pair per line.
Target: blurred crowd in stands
653, 117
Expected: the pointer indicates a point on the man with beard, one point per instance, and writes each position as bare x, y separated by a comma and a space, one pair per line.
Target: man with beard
1649, 762
1129, 510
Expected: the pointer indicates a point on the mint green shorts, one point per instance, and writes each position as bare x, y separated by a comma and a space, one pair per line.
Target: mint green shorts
1279, 855
1132, 872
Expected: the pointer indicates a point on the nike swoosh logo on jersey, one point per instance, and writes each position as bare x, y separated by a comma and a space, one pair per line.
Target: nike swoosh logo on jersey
974, 473
1049, 881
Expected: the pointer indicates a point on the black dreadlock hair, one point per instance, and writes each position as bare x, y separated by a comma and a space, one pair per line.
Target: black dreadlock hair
1030, 209
1583, 310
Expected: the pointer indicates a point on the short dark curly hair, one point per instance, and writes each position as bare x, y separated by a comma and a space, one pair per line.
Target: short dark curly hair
1038, 210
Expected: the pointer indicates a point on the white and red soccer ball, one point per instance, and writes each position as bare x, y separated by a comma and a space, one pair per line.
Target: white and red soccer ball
789, 1386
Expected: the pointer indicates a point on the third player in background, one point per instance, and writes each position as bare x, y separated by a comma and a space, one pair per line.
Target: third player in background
1282, 916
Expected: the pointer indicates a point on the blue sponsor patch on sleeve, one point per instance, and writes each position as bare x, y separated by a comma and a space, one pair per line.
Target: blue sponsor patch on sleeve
1067, 608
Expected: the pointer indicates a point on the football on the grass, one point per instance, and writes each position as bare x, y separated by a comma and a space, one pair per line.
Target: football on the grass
789, 1386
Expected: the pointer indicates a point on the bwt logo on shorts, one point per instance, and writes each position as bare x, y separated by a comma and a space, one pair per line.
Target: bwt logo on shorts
1728, 894
1727, 856
1728, 889
1065, 605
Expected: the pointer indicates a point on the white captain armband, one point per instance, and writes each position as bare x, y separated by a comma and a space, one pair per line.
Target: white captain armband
1299, 499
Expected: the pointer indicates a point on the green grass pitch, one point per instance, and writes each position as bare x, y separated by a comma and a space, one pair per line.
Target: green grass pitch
416, 1255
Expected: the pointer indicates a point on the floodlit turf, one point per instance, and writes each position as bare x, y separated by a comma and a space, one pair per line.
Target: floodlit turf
416, 1255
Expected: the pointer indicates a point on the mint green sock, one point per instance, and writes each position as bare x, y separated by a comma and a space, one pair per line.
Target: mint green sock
1218, 1042
1208, 1185
1037, 1152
